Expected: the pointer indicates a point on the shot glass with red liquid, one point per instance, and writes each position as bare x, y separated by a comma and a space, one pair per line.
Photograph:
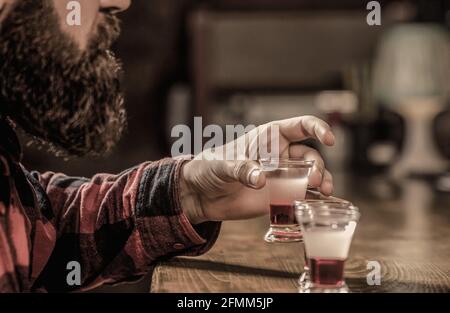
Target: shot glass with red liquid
315, 199
286, 181
327, 233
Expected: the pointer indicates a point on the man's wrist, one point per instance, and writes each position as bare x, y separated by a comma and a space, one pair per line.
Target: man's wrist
190, 202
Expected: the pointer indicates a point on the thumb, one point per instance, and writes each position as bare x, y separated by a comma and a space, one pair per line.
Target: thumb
247, 172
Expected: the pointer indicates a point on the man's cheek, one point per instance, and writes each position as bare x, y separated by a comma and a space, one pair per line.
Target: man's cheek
78, 18
6, 7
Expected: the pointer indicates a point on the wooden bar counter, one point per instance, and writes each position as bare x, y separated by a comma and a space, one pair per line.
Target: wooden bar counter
404, 226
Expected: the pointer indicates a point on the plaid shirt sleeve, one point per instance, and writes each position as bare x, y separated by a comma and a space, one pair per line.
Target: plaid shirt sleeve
118, 226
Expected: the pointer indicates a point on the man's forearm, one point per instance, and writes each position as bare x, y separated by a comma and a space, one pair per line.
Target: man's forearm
127, 221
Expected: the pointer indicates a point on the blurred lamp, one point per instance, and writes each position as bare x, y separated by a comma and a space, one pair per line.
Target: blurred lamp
412, 78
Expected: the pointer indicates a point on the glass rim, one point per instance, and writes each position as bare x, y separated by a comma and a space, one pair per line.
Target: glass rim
297, 162
324, 205
351, 212
322, 201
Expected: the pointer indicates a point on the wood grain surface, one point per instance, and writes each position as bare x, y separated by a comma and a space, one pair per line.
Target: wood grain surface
404, 226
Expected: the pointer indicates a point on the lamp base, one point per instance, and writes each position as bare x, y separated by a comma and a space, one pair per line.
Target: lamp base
419, 154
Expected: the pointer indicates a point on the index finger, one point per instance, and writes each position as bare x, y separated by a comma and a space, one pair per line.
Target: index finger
304, 127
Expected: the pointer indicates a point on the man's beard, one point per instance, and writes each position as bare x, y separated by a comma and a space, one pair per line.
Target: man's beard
59, 95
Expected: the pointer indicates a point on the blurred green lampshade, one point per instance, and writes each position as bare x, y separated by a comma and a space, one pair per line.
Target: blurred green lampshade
413, 62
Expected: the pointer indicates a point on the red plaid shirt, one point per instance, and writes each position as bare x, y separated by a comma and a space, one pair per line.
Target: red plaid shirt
115, 226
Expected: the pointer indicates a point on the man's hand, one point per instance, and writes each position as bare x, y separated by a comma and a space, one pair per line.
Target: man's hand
230, 190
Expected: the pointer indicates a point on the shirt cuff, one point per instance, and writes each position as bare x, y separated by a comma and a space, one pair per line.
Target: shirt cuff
165, 229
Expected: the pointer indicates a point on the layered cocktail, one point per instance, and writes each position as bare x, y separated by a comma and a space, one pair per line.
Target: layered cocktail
314, 199
286, 181
327, 233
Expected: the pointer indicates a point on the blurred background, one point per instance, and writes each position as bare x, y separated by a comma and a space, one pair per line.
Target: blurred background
383, 88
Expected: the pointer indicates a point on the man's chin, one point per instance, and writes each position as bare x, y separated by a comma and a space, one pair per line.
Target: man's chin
93, 145
94, 134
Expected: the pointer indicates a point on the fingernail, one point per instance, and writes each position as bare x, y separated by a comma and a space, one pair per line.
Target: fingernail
332, 137
254, 176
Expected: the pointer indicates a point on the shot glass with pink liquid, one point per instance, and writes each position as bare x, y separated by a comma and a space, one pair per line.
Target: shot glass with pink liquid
286, 181
327, 233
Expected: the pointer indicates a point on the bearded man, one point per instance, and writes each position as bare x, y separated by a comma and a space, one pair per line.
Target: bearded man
60, 84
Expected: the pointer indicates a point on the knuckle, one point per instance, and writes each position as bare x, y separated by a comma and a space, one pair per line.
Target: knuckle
329, 176
239, 169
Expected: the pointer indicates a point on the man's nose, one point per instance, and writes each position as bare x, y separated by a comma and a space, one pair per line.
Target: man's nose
115, 6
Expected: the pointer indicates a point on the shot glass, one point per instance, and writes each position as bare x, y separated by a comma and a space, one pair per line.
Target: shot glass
314, 199
287, 181
327, 233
